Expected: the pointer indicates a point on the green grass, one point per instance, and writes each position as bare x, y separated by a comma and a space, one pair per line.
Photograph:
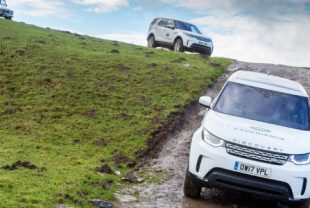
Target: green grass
61, 92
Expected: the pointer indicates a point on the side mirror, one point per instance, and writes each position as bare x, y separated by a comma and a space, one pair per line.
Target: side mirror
205, 101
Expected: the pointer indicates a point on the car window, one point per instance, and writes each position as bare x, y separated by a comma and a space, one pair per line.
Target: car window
162, 23
170, 22
187, 27
264, 105
152, 23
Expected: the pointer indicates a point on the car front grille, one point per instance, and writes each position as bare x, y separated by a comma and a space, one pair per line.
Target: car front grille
256, 154
203, 39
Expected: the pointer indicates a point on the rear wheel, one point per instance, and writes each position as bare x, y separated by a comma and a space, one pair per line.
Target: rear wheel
191, 188
178, 45
151, 41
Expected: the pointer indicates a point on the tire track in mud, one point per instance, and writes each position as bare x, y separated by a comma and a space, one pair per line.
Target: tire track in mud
172, 159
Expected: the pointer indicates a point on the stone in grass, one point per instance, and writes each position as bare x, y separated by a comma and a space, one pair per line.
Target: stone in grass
125, 198
100, 203
130, 177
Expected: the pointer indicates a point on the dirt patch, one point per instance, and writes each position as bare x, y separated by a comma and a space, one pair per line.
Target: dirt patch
105, 184
121, 116
214, 64
178, 60
105, 168
115, 51
20, 164
91, 113
101, 142
20, 51
119, 158
122, 67
11, 111
152, 65
149, 53
144, 100
41, 42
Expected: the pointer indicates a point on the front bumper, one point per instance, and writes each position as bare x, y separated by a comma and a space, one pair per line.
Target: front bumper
6, 13
215, 167
199, 46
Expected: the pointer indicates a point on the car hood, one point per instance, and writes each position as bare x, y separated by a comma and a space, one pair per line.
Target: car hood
5, 8
196, 34
257, 134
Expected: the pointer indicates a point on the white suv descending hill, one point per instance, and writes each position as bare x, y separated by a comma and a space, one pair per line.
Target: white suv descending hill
5, 11
255, 138
179, 36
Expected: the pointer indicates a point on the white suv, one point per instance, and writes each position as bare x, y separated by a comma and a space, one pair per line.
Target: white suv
5, 11
255, 138
179, 36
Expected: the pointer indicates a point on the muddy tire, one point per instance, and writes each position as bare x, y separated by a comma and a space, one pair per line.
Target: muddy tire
178, 45
304, 204
191, 188
151, 42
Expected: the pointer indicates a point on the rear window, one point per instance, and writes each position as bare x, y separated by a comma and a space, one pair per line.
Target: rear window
264, 105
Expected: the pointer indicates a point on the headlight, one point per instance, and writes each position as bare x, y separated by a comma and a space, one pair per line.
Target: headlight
302, 159
211, 139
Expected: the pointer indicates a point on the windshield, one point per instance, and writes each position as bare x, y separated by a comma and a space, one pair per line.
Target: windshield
264, 105
187, 27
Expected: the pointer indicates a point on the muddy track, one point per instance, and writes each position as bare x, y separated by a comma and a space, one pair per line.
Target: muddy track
172, 159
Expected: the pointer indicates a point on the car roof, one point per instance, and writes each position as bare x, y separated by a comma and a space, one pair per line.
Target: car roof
164, 18
269, 82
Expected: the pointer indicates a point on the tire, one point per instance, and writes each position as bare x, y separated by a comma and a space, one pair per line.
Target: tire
191, 188
8, 18
151, 41
303, 204
178, 45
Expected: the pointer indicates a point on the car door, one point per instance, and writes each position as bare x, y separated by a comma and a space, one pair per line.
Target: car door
160, 30
170, 32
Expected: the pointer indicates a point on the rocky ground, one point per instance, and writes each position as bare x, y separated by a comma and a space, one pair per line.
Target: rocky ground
172, 160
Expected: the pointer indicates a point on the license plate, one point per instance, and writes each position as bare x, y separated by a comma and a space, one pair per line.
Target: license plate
251, 169
203, 43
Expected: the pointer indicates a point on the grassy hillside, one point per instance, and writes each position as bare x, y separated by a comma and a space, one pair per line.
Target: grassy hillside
72, 105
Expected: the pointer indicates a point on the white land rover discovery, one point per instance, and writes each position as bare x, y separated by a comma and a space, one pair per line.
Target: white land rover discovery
254, 138
179, 36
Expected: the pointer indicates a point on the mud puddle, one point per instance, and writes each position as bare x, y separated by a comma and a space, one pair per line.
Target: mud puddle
172, 159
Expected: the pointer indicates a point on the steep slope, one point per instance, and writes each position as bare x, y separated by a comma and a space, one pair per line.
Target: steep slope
72, 106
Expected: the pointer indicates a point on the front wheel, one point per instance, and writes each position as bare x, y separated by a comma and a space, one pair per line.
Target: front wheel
151, 41
178, 45
191, 188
